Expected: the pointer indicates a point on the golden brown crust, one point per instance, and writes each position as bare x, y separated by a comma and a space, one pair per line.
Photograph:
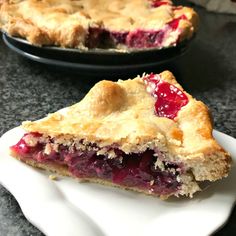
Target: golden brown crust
122, 113
24, 28
66, 22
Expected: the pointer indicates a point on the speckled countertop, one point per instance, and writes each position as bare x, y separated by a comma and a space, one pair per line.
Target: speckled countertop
29, 91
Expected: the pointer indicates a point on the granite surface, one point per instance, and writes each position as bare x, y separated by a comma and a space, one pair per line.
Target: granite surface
29, 91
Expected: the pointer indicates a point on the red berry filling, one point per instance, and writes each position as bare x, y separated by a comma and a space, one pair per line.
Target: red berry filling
158, 3
145, 39
174, 24
119, 37
169, 98
148, 38
140, 38
22, 148
136, 170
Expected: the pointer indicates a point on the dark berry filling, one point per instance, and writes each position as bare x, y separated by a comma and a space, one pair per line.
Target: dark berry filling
94, 37
140, 38
169, 98
98, 38
145, 39
136, 170
148, 38
119, 37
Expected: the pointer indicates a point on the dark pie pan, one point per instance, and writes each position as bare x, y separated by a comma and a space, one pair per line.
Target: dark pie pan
95, 60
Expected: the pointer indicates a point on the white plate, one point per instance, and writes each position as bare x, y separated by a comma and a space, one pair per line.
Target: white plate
68, 208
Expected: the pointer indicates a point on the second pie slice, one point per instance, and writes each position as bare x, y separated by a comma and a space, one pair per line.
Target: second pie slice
146, 134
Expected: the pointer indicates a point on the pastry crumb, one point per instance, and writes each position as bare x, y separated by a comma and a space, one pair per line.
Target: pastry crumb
53, 177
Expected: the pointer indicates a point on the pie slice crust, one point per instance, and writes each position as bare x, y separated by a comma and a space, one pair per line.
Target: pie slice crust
119, 24
144, 134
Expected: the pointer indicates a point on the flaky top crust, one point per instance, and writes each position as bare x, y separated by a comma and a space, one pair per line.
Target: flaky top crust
66, 22
122, 113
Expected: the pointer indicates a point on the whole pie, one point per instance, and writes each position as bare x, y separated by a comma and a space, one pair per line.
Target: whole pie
117, 24
144, 134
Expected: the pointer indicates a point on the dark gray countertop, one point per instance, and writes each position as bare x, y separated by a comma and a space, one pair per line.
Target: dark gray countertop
29, 91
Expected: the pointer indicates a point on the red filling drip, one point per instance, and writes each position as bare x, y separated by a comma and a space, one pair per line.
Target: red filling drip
174, 24
22, 148
169, 98
135, 170
158, 3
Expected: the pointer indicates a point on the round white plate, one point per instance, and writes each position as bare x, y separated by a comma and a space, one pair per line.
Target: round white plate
68, 208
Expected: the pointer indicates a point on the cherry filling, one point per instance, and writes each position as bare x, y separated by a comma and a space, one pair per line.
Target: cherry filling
148, 38
138, 170
119, 37
103, 38
169, 98
174, 24
158, 3
145, 39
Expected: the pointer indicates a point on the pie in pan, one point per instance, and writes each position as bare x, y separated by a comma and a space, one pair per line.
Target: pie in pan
144, 134
118, 24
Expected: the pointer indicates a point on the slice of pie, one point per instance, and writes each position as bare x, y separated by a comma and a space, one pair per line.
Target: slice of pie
146, 134
118, 24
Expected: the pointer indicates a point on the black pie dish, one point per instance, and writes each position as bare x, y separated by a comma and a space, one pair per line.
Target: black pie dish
95, 60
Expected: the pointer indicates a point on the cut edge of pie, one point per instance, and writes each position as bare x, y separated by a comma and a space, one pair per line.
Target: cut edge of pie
146, 134
117, 25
